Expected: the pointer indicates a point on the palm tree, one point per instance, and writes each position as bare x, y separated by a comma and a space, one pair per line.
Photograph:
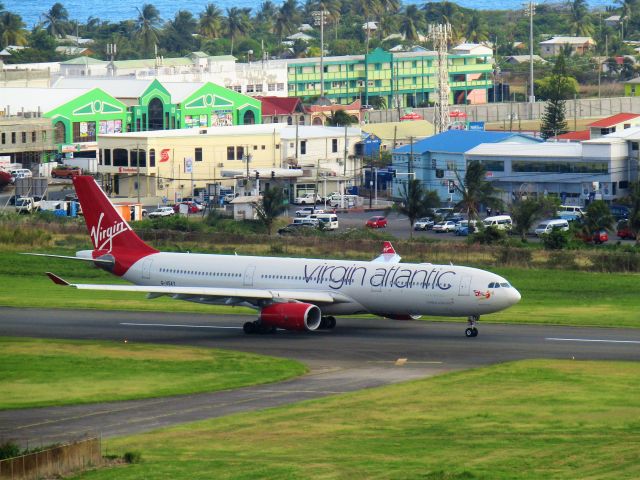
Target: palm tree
238, 23
416, 202
476, 190
411, 22
56, 20
270, 206
267, 15
526, 212
12, 30
476, 30
634, 213
340, 118
378, 102
181, 30
147, 27
597, 217
286, 18
579, 21
210, 23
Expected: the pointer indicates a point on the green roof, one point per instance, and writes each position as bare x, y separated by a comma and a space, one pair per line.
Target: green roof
83, 61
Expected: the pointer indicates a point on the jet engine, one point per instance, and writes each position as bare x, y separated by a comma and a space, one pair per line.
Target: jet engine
291, 316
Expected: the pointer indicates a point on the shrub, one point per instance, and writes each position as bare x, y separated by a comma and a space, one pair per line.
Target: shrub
488, 236
132, 457
508, 255
616, 262
556, 240
9, 450
562, 261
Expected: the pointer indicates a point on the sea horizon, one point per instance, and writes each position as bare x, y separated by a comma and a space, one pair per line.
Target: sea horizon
32, 11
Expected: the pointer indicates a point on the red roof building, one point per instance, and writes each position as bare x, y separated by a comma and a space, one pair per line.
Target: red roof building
281, 110
613, 123
573, 136
321, 113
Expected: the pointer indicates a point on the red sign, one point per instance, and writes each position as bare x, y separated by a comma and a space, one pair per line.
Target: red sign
127, 170
164, 155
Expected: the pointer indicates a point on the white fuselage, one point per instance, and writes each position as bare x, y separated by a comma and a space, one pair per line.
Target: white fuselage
373, 287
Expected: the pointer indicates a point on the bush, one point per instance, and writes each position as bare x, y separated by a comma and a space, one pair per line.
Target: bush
556, 240
562, 261
512, 256
488, 236
616, 262
9, 450
132, 457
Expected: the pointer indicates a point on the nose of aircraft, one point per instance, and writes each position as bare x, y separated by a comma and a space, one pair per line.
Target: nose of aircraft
514, 296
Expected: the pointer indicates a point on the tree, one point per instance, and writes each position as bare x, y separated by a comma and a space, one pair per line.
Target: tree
476, 190
378, 102
57, 20
340, 118
554, 118
416, 202
270, 206
634, 209
579, 21
411, 22
12, 29
238, 23
210, 23
476, 30
146, 27
597, 217
526, 212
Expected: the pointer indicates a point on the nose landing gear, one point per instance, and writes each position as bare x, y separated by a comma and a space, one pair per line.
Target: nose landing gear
472, 331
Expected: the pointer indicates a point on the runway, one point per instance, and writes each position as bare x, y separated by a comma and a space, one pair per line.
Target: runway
358, 354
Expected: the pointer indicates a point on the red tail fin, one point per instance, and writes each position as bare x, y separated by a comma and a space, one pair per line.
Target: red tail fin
109, 232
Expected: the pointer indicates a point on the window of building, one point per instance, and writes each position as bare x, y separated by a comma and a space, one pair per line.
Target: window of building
301, 120
106, 157
303, 147
255, 147
120, 157
84, 131
4, 138
259, 88
280, 87
24, 137
237, 88
334, 145
240, 153
263, 147
13, 137
138, 158
152, 157
250, 88
198, 154
231, 153
289, 120
271, 87
33, 137
634, 146
60, 132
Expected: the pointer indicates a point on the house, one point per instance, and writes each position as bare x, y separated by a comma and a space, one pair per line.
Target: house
403, 133
520, 59
244, 207
614, 123
632, 88
613, 21
578, 136
73, 51
578, 45
320, 114
287, 110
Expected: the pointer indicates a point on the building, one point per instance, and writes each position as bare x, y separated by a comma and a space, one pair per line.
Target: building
396, 134
287, 110
612, 124
399, 79
632, 88
321, 114
29, 141
438, 162
520, 59
576, 173
176, 163
578, 45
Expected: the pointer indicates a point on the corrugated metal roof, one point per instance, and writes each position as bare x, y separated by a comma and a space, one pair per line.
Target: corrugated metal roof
614, 120
574, 136
403, 130
459, 141
30, 99
512, 149
116, 87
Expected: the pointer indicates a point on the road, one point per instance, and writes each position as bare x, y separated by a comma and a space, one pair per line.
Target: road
359, 353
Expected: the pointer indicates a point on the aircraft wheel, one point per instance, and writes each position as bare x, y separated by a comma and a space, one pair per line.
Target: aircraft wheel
469, 332
249, 327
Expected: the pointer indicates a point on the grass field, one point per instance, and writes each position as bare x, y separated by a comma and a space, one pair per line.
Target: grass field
35, 372
533, 419
548, 296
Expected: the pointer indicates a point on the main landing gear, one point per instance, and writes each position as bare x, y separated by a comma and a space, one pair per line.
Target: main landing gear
257, 327
472, 331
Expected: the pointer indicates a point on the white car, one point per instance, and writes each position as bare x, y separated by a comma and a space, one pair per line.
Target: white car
308, 199
306, 211
162, 212
424, 223
447, 226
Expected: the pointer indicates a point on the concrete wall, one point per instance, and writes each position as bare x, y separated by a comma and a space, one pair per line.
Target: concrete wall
503, 112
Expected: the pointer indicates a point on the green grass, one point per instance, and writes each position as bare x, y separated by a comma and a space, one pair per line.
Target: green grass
36, 372
548, 296
537, 419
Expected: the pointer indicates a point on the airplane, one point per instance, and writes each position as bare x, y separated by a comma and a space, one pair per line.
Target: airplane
301, 294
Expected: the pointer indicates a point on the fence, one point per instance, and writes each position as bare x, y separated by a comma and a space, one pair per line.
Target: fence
56, 461
512, 112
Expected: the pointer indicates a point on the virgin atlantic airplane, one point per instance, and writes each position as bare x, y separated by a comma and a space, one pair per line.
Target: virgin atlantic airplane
288, 293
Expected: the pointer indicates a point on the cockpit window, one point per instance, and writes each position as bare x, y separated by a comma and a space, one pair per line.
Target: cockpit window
505, 285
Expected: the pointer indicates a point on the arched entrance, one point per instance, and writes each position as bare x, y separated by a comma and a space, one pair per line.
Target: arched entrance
156, 113
61, 132
317, 121
249, 118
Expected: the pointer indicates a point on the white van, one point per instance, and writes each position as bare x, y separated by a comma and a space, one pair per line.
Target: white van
20, 173
342, 201
547, 226
501, 222
307, 221
329, 221
570, 209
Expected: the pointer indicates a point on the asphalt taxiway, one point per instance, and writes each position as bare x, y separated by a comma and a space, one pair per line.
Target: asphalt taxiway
358, 354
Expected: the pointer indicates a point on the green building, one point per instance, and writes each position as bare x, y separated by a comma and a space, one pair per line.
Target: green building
404, 79
632, 88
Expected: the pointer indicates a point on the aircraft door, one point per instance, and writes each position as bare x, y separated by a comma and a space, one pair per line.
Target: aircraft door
248, 276
146, 268
465, 286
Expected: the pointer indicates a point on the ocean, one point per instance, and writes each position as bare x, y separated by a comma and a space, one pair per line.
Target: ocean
116, 10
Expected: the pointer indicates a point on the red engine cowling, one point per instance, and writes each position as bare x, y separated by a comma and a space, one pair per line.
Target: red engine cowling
291, 316
402, 317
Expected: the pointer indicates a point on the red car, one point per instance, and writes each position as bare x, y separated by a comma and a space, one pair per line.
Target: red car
377, 222
624, 231
65, 171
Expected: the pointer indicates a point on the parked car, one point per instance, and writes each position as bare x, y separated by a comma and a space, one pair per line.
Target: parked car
548, 226
162, 212
623, 230
620, 212
306, 211
27, 204
601, 236
446, 226
377, 222
308, 199
465, 230
65, 171
192, 207
20, 173
469, 225
296, 229
424, 223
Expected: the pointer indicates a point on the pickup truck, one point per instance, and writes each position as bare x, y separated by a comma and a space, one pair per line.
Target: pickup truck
27, 204
308, 199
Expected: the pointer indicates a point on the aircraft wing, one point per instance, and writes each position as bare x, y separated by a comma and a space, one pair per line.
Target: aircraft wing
233, 295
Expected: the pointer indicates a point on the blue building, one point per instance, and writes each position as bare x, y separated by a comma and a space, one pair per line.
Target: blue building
439, 161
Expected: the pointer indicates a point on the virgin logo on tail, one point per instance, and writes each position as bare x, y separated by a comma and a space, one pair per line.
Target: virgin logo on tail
388, 248
103, 237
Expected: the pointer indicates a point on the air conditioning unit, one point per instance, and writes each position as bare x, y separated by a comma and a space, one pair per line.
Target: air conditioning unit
220, 165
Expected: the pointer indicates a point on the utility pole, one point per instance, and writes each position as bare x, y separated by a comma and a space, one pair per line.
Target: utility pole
319, 19
410, 165
440, 35
530, 11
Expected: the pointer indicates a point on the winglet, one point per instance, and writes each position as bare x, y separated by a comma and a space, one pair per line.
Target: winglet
57, 280
387, 248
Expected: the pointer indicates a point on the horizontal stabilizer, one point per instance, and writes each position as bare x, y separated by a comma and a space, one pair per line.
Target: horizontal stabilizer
68, 257
57, 280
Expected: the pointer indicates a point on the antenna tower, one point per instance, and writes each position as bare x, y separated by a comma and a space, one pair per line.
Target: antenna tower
440, 34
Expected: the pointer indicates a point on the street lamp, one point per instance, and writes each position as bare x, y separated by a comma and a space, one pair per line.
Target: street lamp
319, 19
530, 11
